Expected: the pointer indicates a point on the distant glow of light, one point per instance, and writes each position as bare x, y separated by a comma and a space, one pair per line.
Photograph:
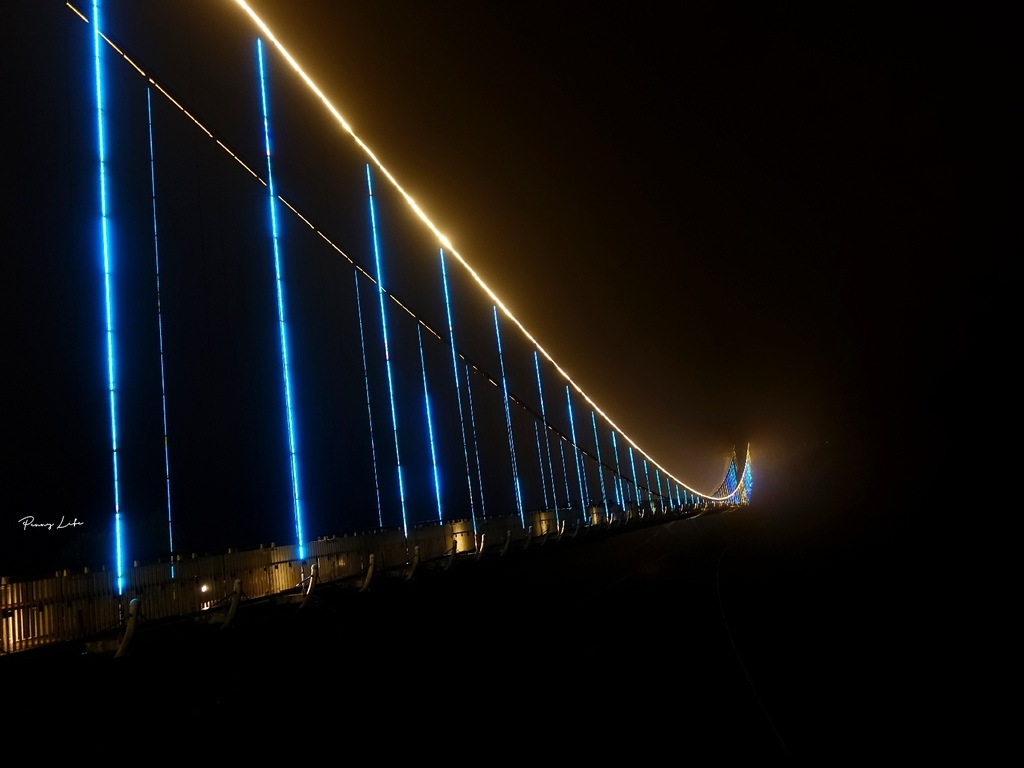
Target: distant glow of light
107, 256
458, 388
369, 410
508, 422
575, 444
160, 332
430, 425
387, 355
600, 466
442, 239
547, 441
282, 328
476, 442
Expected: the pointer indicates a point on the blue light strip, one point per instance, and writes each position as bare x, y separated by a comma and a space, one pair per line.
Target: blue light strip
618, 473
160, 333
458, 389
647, 481
540, 464
636, 485
508, 421
731, 480
292, 458
369, 410
565, 473
575, 444
430, 424
547, 440
748, 478
387, 355
476, 442
661, 495
119, 549
600, 466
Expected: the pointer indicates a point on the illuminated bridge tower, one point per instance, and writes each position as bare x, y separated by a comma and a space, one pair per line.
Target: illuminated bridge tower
748, 479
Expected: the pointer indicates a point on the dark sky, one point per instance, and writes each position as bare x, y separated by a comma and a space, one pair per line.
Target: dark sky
730, 223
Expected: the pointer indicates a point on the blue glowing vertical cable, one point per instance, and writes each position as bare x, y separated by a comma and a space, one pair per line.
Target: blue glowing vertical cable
119, 548
540, 464
575, 444
565, 473
600, 466
458, 388
292, 457
160, 334
618, 472
430, 424
661, 495
508, 421
647, 482
547, 441
476, 442
369, 410
636, 485
387, 355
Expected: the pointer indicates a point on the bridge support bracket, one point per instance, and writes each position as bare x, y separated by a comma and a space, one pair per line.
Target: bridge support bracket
413, 563
129, 632
369, 575
314, 577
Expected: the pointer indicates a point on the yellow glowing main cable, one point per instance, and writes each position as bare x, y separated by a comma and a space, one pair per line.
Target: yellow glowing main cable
409, 200
441, 237
422, 216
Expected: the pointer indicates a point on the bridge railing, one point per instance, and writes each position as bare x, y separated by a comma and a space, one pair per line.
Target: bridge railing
76, 606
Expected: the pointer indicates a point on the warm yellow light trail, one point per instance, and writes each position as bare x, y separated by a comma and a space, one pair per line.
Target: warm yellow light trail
445, 243
443, 240
440, 237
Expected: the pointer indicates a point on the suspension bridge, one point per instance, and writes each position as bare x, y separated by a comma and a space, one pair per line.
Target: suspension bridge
266, 367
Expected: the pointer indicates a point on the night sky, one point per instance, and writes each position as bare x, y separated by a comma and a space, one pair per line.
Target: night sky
730, 223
